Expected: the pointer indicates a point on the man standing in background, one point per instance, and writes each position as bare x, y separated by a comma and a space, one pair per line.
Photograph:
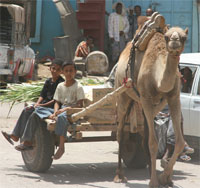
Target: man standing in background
149, 12
118, 28
130, 11
137, 11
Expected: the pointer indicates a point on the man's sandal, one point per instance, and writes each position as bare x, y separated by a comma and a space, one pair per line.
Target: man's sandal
188, 150
7, 137
23, 147
185, 158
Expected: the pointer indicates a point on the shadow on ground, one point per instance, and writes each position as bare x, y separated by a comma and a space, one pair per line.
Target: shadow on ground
93, 175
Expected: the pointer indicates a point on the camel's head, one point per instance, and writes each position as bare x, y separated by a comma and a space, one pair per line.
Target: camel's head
175, 39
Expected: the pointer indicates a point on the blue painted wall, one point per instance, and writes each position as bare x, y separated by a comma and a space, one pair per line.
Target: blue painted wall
183, 13
50, 27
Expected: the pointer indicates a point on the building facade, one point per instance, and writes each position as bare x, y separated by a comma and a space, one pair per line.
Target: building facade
183, 13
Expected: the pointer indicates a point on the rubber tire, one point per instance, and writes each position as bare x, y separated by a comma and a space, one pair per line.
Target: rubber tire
140, 158
40, 158
133, 154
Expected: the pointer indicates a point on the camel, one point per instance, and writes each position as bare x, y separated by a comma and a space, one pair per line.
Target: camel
157, 81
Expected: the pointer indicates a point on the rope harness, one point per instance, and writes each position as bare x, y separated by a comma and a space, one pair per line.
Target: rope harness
131, 62
149, 28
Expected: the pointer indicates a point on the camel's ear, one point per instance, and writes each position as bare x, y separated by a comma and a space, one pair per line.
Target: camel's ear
165, 29
186, 30
167, 26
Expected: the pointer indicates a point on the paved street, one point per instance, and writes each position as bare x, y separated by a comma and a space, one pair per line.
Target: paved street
84, 165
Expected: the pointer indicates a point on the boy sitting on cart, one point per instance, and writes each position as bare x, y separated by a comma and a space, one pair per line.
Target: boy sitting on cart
68, 94
28, 121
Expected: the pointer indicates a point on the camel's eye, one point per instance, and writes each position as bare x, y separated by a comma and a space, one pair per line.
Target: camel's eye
183, 39
166, 38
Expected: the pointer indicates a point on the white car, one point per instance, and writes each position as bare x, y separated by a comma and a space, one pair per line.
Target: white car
190, 98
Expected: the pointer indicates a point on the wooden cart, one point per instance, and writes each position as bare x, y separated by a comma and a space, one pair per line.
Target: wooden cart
100, 115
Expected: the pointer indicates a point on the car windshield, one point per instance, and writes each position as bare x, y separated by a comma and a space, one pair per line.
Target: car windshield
5, 26
12, 24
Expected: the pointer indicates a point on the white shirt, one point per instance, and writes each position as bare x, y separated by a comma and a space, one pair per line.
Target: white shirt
113, 26
69, 95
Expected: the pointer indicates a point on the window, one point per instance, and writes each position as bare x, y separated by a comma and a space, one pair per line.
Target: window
36, 16
188, 74
5, 26
198, 88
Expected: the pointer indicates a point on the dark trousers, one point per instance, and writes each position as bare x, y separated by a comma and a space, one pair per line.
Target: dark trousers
22, 121
32, 124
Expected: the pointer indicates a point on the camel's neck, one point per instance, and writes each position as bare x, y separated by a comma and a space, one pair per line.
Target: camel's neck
167, 70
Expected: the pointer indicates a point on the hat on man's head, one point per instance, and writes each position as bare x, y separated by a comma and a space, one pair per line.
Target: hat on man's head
123, 7
130, 8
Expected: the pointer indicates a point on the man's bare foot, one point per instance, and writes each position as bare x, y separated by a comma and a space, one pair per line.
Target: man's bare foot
58, 154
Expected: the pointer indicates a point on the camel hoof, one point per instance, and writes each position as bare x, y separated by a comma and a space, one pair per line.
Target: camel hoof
165, 180
120, 179
171, 184
154, 184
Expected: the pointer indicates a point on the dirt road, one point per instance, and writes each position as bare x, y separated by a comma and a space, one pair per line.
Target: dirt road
83, 165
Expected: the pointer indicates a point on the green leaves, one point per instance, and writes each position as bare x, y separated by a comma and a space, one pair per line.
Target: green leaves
21, 92
30, 92
91, 81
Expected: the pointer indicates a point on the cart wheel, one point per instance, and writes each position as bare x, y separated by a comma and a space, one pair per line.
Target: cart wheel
140, 160
40, 158
133, 154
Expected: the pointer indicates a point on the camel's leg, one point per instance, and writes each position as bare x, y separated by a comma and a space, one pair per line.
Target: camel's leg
175, 111
153, 145
122, 107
